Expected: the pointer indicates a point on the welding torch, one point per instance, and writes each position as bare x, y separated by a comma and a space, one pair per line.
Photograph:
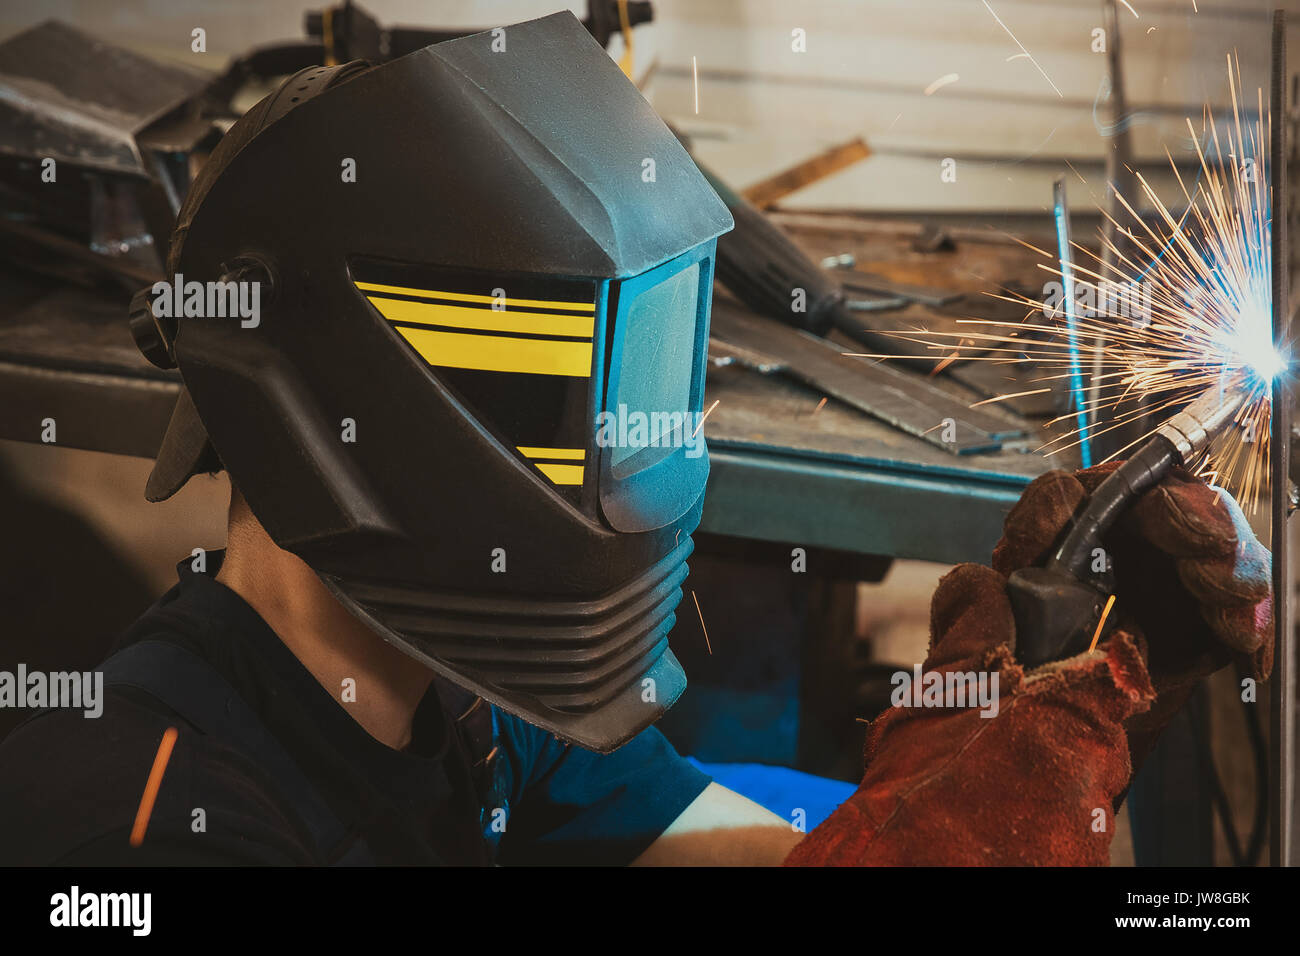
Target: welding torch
1059, 607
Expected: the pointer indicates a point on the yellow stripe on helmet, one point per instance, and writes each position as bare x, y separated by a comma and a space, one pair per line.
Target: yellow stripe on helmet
468, 297
561, 474
500, 353
463, 317
564, 454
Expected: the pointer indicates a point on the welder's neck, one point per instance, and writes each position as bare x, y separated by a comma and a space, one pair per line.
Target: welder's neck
378, 686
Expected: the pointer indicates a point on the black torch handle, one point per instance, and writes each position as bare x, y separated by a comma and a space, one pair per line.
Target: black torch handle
1057, 607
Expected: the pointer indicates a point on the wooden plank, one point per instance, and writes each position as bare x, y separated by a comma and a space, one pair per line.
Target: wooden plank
772, 190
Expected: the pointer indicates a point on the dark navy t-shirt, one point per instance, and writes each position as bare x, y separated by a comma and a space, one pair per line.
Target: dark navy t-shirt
70, 786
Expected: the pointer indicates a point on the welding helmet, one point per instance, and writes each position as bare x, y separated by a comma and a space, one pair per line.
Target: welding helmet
478, 265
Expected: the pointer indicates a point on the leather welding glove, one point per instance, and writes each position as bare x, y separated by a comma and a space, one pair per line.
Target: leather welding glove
1033, 784
1190, 576
1036, 783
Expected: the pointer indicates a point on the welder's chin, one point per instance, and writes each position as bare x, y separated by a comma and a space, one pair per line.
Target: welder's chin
595, 673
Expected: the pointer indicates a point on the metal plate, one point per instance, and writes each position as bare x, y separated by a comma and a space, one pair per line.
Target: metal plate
901, 399
786, 467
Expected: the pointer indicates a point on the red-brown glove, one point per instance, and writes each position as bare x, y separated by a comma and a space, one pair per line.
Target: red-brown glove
1190, 576
1037, 783
1032, 785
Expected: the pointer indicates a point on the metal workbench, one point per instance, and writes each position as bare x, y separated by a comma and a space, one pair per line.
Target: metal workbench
784, 470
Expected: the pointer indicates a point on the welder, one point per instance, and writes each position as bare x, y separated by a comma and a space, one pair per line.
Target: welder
439, 630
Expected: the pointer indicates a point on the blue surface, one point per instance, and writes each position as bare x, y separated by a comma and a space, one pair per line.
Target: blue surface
726, 725
780, 789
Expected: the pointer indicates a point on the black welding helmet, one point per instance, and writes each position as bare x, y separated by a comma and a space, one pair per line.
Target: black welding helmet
471, 400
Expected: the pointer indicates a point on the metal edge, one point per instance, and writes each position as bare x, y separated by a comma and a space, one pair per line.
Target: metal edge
1282, 698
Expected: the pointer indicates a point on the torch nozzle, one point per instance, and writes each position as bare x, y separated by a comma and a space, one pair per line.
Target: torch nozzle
1193, 429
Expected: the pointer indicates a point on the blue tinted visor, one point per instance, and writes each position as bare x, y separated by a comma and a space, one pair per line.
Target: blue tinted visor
650, 435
